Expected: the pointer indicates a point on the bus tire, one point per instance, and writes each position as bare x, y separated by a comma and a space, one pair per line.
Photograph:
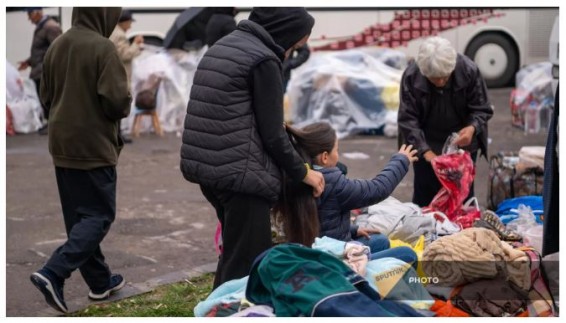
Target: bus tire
494, 49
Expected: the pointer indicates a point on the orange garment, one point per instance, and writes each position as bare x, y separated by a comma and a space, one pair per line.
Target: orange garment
447, 309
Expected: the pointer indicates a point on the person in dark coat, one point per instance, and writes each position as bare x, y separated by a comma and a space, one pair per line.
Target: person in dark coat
46, 31
234, 142
84, 84
296, 59
550, 196
441, 93
319, 142
220, 24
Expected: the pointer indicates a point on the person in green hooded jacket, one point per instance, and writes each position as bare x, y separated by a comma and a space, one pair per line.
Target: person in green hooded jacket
85, 87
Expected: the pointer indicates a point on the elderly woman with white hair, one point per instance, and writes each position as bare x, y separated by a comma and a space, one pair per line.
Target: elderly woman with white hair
441, 92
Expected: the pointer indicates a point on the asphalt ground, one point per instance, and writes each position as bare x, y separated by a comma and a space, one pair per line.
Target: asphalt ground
164, 227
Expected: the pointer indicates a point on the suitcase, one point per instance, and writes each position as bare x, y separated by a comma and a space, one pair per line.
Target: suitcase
506, 180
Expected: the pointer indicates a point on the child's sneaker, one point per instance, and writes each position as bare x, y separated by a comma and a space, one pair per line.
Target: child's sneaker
51, 287
116, 283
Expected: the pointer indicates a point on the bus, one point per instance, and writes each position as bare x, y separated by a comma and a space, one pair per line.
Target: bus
499, 40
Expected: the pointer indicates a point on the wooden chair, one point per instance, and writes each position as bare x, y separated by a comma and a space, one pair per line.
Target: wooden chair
154, 120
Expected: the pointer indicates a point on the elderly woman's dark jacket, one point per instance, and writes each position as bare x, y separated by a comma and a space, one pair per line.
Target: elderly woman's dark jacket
469, 98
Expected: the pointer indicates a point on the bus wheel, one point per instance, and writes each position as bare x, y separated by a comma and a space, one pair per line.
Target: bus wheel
496, 57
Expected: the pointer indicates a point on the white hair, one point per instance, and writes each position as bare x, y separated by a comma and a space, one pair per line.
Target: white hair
437, 57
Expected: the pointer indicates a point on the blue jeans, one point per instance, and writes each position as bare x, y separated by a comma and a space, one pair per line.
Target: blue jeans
376, 242
405, 254
379, 247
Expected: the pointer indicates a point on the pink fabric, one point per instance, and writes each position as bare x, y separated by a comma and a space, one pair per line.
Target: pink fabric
218, 239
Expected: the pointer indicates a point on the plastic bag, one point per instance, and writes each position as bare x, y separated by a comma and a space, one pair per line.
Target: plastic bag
533, 95
456, 173
418, 248
468, 213
443, 225
525, 220
449, 145
508, 209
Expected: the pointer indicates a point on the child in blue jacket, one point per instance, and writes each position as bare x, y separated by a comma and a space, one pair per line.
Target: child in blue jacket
319, 145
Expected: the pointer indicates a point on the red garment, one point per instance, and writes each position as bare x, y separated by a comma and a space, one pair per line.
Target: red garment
456, 173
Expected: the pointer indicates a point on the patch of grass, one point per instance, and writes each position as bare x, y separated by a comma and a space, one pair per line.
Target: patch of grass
177, 299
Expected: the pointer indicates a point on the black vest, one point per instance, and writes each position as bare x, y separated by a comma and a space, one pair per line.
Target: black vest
221, 147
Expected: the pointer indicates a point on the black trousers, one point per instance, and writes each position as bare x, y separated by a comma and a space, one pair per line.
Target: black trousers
88, 200
45, 109
426, 184
246, 231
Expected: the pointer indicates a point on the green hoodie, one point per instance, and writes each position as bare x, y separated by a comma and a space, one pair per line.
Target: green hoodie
85, 87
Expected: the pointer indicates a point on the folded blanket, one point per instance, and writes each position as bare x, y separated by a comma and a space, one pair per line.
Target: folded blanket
473, 254
462, 257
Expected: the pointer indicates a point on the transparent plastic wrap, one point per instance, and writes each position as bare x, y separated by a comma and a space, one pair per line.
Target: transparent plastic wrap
352, 90
532, 101
177, 69
449, 145
525, 220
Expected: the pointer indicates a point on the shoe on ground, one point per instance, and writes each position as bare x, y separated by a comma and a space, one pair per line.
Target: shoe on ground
125, 138
51, 287
43, 130
116, 283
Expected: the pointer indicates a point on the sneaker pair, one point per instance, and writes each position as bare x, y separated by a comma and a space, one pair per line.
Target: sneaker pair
51, 287
116, 283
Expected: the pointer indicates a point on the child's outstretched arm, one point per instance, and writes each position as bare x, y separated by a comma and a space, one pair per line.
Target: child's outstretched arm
357, 193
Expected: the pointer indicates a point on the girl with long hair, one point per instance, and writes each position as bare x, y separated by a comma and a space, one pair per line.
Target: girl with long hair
317, 143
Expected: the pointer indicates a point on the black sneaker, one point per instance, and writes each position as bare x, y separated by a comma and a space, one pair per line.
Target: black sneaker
127, 140
43, 131
116, 283
51, 287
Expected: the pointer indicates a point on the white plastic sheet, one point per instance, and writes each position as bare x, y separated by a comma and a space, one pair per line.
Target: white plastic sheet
535, 80
21, 97
14, 83
177, 68
532, 101
351, 89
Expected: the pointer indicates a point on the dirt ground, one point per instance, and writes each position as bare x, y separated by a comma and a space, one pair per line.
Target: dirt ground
163, 222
